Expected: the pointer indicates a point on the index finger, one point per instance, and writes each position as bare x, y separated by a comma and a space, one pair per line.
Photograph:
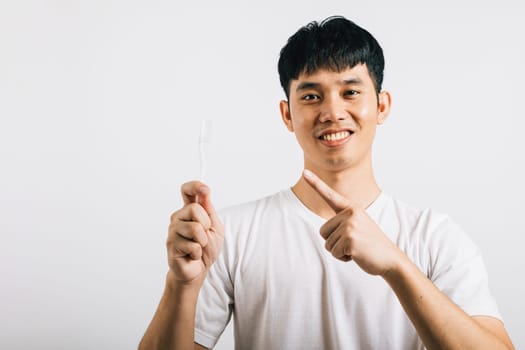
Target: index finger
336, 201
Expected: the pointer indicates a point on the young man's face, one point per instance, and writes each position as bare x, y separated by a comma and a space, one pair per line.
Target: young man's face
334, 117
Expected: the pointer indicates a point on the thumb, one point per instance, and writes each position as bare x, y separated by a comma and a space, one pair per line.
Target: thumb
204, 199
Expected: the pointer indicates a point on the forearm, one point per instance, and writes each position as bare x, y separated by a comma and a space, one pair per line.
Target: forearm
172, 326
440, 323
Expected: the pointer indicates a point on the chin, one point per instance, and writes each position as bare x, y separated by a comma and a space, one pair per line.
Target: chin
339, 164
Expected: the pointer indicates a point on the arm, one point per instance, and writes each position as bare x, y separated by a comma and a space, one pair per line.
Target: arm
195, 239
352, 235
440, 323
172, 326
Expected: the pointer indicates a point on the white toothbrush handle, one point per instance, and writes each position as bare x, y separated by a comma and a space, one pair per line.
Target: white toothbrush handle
202, 159
204, 140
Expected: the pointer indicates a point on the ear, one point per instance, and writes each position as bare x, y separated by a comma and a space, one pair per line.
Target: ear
284, 107
385, 102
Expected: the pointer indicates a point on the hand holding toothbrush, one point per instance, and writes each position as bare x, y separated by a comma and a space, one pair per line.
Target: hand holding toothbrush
195, 235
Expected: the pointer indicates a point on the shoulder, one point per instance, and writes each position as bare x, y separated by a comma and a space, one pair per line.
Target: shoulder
440, 241
425, 222
436, 228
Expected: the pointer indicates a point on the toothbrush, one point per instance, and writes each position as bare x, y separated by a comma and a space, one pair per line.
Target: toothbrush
204, 139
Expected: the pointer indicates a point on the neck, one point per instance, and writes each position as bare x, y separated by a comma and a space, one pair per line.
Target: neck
357, 184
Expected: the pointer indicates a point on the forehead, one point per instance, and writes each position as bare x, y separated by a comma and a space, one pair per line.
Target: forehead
326, 78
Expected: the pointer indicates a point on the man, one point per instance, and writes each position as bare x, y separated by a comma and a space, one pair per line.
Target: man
333, 262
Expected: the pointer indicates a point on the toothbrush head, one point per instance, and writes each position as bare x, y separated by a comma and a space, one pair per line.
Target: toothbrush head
206, 128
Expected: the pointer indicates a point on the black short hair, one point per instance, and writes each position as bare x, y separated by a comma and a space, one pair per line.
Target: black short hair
335, 44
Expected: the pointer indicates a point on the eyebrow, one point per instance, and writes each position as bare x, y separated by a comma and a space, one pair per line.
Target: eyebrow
305, 85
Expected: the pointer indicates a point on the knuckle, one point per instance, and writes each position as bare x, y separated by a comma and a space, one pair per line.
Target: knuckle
196, 210
204, 240
170, 244
194, 226
325, 230
348, 248
187, 229
192, 207
174, 234
349, 210
197, 231
174, 216
350, 239
337, 254
187, 226
195, 250
172, 239
349, 227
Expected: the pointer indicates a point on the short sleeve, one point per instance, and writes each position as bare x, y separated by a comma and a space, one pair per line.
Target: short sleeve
458, 270
215, 304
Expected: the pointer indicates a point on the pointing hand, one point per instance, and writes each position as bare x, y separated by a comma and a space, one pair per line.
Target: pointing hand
352, 234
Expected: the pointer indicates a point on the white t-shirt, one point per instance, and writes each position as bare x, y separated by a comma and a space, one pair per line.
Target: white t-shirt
287, 291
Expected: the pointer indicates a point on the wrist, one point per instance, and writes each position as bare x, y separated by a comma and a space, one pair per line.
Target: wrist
400, 266
174, 285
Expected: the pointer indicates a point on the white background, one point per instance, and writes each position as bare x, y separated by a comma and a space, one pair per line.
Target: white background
100, 107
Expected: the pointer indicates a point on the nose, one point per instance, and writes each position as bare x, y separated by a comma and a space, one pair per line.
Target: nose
332, 110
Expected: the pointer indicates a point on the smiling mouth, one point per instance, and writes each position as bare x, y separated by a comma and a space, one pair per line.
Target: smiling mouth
336, 136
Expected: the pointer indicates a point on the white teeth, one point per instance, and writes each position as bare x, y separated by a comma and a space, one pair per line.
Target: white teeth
336, 136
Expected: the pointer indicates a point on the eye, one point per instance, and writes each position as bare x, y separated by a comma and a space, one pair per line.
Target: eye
351, 93
310, 97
